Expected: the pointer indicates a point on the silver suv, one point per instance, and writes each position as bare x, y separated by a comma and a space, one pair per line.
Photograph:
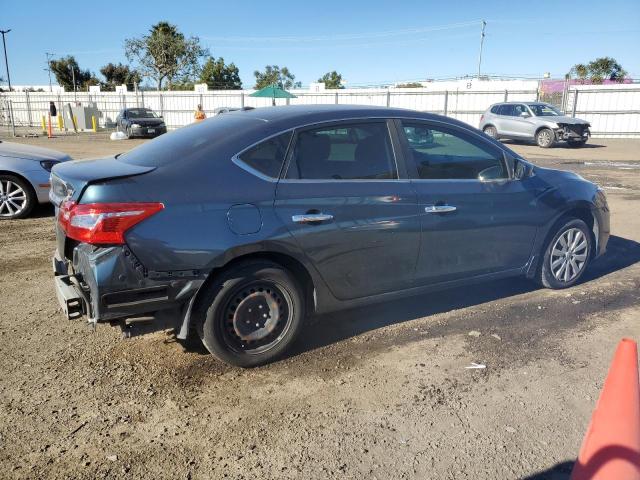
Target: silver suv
537, 121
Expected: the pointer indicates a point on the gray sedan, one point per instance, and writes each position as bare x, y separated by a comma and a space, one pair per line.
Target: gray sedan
537, 121
24, 177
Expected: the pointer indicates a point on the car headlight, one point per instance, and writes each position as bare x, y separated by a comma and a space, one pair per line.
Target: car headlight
162, 125
48, 164
135, 125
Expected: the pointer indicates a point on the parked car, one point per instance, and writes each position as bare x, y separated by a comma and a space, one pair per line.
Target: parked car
140, 122
242, 226
24, 177
537, 121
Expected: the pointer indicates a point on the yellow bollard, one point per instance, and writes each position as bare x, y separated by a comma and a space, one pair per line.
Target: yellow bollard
44, 125
60, 124
75, 122
93, 123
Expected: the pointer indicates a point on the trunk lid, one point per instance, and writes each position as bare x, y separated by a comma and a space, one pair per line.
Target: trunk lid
69, 179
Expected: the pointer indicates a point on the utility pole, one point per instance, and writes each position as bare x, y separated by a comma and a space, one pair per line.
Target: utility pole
484, 24
73, 77
6, 62
49, 57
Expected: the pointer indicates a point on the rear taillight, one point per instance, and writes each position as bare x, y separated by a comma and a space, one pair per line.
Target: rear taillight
481, 117
103, 223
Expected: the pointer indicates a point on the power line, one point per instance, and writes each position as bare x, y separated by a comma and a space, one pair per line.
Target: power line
344, 36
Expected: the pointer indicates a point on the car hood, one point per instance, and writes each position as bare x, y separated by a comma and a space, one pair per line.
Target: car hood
565, 119
29, 152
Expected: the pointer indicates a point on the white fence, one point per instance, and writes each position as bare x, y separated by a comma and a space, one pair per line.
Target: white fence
613, 110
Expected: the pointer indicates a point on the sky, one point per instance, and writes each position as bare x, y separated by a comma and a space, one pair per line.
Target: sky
369, 42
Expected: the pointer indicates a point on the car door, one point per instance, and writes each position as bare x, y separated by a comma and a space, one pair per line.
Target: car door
475, 218
346, 200
513, 121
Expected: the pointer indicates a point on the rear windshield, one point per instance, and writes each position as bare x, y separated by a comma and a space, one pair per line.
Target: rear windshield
198, 140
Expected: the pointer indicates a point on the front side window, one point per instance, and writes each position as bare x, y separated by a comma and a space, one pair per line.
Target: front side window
267, 157
544, 110
346, 152
443, 154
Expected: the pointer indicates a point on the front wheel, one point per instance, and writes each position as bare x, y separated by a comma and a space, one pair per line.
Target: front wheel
545, 138
255, 311
567, 255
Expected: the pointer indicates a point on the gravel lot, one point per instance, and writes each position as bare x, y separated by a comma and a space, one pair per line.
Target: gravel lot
377, 392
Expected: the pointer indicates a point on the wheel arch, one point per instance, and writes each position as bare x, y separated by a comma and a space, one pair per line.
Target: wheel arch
24, 179
295, 266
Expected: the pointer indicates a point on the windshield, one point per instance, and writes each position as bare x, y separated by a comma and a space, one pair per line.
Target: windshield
141, 113
543, 110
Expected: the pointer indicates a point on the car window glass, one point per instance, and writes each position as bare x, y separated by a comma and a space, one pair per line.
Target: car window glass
440, 153
140, 113
347, 152
508, 110
495, 108
267, 157
519, 109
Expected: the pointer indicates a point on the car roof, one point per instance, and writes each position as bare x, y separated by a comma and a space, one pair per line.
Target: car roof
290, 116
520, 103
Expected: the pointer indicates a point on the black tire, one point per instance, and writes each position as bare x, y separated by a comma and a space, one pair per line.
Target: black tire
128, 133
491, 131
548, 271
576, 143
27, 205
255, 291
545, 138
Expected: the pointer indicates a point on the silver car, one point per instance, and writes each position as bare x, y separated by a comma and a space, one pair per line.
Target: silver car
537, 121
24, 177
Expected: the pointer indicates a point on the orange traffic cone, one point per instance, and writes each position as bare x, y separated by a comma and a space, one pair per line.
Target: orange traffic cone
611, 447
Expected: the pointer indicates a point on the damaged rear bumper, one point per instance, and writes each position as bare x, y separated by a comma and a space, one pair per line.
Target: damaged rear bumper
109, 283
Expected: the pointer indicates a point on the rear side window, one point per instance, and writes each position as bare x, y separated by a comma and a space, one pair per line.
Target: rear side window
267, 157
495, 108
444, 154
346, 152
508, 110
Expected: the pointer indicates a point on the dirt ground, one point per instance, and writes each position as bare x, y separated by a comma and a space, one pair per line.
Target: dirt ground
378, 392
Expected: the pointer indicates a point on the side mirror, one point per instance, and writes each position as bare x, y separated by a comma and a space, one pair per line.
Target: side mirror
525, 114
522, 169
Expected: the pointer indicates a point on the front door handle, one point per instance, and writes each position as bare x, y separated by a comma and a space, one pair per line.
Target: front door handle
312, 218
439, 208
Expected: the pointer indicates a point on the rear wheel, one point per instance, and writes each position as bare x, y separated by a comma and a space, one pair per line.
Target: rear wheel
545, 138
491, 131
567, 255
254, 312
17, 198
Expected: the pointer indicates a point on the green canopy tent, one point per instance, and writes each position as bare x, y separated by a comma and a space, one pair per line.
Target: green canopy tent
272, 92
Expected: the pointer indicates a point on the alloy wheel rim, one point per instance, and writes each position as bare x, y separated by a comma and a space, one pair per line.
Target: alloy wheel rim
569, 255
256, 318
545, 137
13, 199
491, 132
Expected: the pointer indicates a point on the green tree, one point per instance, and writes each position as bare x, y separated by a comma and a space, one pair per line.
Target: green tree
66, 68
119, 75
598, 70
332, 80
274, 75
220, 76
165, 54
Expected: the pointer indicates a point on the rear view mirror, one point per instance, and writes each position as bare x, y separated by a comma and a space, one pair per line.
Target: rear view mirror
522, 169
525, 114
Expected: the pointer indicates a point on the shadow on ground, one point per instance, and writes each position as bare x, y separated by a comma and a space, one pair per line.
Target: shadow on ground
560, 471
564, 145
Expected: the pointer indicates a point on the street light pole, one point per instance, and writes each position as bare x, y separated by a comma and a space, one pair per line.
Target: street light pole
484, 24
6, 62
73, 77
49, 57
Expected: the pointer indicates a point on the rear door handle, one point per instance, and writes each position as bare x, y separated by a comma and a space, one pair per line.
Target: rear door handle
439, 208
312, 218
